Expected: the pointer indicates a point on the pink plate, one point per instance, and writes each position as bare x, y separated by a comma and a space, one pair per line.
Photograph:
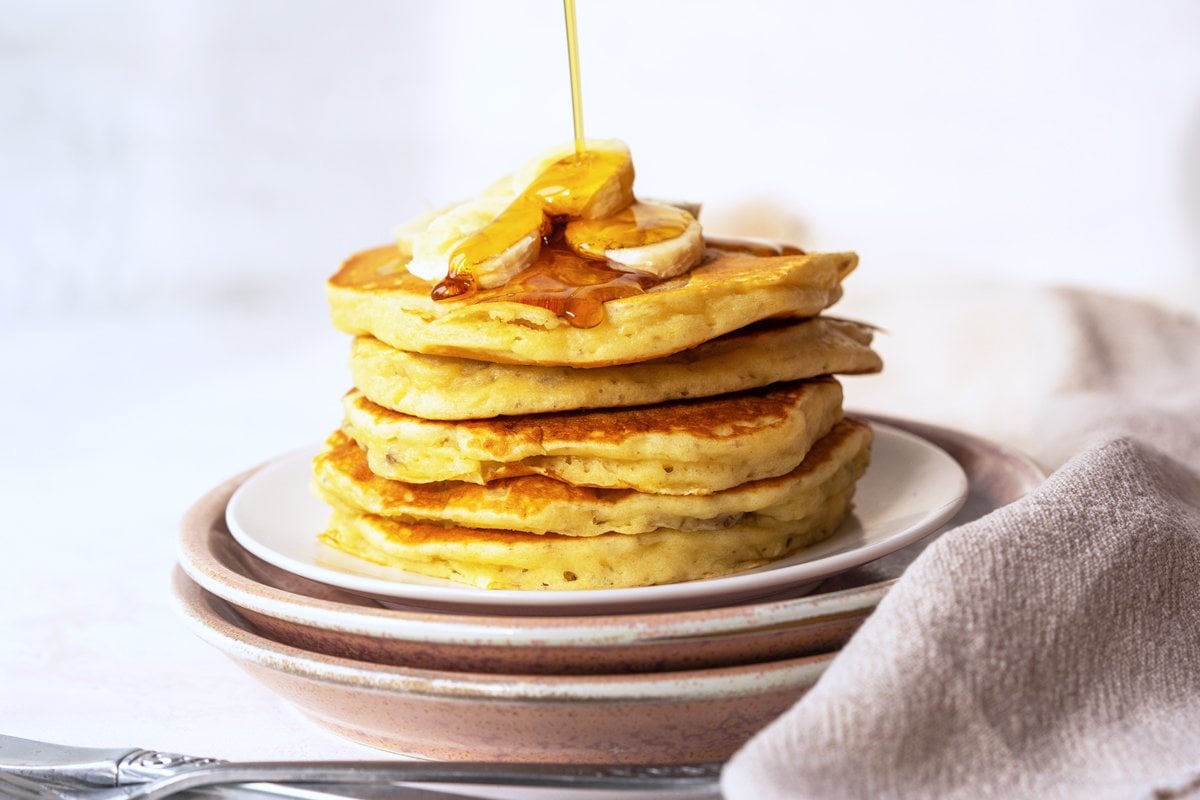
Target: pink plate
667, 717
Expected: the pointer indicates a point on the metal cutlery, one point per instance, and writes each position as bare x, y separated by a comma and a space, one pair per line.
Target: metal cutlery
17, 787
83, 773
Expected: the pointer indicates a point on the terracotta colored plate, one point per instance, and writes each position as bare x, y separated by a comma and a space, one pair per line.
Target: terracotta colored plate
325, 619
669, 717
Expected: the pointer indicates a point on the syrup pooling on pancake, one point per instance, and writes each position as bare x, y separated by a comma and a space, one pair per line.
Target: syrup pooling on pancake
572, 287
373, 293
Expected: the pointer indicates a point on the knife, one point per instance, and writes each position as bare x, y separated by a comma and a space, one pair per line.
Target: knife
150, 773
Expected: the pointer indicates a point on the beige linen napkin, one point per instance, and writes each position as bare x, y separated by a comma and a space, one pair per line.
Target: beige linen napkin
1051, 648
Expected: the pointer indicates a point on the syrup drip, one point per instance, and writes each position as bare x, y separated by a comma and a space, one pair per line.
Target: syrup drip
573, 58
450, 288
573, 287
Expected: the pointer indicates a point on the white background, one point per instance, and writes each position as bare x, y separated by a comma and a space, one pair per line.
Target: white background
177, 178
167, 151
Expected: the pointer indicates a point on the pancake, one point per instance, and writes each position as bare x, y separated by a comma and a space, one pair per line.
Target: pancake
500, 560
536, 504
447, 387
685, 447
373, 294
505, 559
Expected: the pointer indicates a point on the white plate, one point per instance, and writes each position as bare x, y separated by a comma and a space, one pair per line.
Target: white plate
911, 488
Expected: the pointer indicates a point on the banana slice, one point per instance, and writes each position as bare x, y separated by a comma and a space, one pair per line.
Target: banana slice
406, 235
662, 259
594, 184
556, 171
434, 243
495, 252
648, 238
689, 206
434, 247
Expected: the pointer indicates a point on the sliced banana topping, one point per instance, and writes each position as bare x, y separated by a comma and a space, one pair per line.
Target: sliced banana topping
587, 185
595, 183
433, 248
490, 239
662, 259
485, 242
406, 235
648, 238
685, 205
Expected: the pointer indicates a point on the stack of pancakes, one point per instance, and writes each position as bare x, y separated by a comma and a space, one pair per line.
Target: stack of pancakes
694, 432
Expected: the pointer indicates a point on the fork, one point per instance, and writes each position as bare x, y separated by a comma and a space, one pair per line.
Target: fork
46, 771
18, 787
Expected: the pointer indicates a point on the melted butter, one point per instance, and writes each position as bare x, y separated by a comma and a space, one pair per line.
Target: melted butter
573, 287
640, 224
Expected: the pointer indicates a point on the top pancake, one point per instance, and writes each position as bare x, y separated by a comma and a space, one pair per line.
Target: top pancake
373, 294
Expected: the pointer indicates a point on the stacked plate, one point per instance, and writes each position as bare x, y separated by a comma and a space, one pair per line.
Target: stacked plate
677, 673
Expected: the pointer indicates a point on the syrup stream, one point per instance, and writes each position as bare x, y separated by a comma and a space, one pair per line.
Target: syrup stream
573, 58
572, 281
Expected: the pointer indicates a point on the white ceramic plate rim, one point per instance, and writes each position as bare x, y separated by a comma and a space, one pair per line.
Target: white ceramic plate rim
253, 522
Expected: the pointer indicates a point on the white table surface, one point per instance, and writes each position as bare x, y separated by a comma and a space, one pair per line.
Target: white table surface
114, 426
